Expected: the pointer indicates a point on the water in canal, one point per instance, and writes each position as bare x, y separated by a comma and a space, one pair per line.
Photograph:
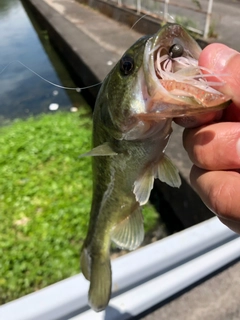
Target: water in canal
21, 92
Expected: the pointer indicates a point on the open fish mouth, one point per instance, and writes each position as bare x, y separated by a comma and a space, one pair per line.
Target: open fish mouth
177, 85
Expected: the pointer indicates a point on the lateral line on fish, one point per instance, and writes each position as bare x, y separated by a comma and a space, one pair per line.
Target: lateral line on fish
48, 81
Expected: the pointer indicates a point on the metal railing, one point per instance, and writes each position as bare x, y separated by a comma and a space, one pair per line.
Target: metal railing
166, 15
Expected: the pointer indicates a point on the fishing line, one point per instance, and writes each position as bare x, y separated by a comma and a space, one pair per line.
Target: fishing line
145, 15
48, 81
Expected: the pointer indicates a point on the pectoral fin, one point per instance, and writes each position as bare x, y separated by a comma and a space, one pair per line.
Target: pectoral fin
129, 234
103, 150
167, 172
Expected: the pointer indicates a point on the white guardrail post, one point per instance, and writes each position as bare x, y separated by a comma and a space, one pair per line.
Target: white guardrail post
139, 6
208, 13
208, 19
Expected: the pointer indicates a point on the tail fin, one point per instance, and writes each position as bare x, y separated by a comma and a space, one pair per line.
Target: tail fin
98, 271
101, 283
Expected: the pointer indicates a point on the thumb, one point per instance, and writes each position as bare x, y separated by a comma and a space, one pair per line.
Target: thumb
224, 62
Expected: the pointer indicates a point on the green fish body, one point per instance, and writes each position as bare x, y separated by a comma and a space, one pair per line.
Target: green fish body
156, 79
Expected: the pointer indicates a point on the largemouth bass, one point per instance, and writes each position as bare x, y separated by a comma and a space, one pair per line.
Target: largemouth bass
157, 79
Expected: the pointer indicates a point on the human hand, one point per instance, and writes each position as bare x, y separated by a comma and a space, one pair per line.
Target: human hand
215, 148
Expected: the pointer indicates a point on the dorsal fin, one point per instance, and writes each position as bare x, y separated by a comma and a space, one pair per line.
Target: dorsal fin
129, 233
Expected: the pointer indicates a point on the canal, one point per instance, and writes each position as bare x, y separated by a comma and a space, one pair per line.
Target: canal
23, 42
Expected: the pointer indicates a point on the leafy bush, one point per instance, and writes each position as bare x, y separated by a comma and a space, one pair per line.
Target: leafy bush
45, 196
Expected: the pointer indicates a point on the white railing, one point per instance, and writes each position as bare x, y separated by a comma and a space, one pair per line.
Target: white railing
140, 6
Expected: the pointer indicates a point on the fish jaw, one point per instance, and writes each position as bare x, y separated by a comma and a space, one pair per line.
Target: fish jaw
176, 87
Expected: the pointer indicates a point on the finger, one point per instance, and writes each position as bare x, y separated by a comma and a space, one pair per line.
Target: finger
198, 120
214, 147
225, 63
219, 190
231, 224
232, 113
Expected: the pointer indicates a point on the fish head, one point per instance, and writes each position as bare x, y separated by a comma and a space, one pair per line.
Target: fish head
157, 78
120, 96
175, 84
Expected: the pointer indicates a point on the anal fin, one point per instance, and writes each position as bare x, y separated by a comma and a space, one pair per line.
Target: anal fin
129, 233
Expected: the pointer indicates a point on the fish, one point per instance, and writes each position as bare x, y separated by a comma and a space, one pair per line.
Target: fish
156, 80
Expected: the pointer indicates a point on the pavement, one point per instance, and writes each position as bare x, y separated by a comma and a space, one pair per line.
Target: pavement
92, 43
216, 298
227, 23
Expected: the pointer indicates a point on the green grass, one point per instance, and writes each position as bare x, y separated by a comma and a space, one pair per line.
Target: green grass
45, 197
45, 194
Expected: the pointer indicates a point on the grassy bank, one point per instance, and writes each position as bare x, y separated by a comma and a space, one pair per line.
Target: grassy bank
45, 196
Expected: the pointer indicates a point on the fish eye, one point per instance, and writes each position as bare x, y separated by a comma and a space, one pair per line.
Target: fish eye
176, 50
126, 65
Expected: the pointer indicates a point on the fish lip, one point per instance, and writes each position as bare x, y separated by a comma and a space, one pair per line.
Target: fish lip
166, 103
